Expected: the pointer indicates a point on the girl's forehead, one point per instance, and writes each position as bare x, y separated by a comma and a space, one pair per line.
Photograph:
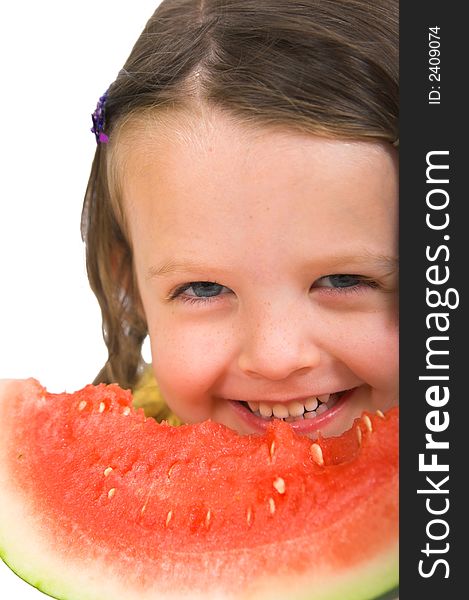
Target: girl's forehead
220, 191
209, 140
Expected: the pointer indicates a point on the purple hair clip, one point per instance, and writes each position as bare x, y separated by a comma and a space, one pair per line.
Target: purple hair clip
99, 120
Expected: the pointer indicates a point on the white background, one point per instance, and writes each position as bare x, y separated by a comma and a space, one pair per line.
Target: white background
57, 59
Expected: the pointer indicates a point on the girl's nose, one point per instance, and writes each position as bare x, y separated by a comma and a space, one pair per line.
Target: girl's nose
277, 345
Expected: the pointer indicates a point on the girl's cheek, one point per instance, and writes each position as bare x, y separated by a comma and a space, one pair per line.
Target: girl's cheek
187, 360
376, 357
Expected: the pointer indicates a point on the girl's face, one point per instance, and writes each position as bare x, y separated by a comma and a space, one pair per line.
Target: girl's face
266, 263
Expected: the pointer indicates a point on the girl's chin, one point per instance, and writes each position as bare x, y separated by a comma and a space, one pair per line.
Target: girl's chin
331, 421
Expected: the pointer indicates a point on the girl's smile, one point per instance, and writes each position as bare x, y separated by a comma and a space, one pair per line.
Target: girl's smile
305, 415
267, 270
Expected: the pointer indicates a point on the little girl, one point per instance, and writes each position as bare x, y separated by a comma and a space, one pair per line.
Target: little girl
242, 212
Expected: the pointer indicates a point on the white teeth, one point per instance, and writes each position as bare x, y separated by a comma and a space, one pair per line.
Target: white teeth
295, 410
265, 409
280, 411
311, 403
323, 397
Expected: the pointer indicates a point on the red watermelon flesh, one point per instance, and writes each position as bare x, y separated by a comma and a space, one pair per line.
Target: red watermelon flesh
99, 502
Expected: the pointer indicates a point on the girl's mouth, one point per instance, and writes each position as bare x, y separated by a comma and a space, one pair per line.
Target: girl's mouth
305, 416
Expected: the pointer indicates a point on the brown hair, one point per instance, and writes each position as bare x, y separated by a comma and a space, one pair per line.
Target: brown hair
327, 67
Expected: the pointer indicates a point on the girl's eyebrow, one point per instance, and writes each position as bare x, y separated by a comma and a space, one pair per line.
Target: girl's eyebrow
368, 260
382, 262
171, 266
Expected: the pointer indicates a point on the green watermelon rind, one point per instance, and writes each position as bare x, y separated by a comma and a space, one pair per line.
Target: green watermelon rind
382, 583
392, 595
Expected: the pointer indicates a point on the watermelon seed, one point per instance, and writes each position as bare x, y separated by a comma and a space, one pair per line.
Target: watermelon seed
318, 457
111, 493
359, 435
107, 471
367, 421
82, 405
249, 515
101, 407
380, 414
126, 411
272, 450
207, 518
170, 470
169, 517
148, 497
279, 485
271, 506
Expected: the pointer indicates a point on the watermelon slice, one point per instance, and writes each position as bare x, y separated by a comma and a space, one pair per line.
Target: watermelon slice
99, 502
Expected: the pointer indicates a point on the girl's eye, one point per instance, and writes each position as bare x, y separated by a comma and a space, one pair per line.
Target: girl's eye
199, 291
344, 281
203, 289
